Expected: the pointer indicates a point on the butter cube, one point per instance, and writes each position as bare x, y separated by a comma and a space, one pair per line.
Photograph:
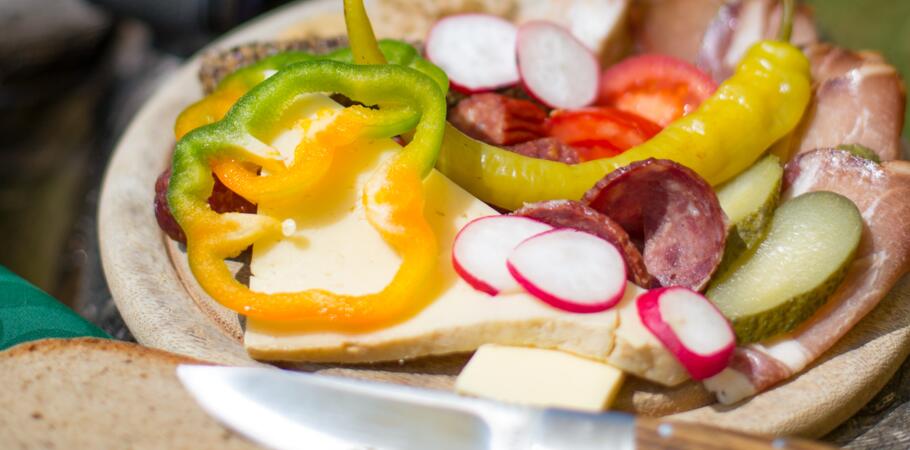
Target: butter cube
547, 378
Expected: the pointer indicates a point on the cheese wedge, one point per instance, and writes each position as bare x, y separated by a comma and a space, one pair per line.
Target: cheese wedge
332, 246
546, 378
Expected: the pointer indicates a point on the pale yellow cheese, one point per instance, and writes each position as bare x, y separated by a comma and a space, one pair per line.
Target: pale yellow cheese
333, 247
457, 319
637, 351
547, 378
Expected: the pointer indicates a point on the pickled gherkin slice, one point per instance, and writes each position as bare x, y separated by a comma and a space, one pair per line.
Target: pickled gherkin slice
860, 150
783, 280
749, 199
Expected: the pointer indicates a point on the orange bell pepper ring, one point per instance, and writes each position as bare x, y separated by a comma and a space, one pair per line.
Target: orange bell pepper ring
393, 199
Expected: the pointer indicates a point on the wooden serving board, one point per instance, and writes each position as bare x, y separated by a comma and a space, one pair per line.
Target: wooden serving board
164, 308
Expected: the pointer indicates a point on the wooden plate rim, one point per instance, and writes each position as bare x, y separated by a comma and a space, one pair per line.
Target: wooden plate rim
165, 311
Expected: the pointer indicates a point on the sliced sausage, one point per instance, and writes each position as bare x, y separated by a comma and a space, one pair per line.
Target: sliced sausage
222, 200
547, 148
497, 119
574, 214
163, 215
674, 215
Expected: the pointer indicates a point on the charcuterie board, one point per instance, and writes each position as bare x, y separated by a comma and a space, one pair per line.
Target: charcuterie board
165, 308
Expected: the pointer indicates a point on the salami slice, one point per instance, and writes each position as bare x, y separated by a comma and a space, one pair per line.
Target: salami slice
163, 215
222, 200
548, 148
672, 213
573, 214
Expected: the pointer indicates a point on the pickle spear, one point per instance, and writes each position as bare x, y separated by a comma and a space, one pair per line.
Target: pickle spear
778, 284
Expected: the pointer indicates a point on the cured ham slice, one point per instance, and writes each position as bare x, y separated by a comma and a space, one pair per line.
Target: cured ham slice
739, 24
714, 33
859, 99
672, 27
882, 194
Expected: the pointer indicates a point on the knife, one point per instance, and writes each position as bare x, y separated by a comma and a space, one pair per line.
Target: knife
282, 409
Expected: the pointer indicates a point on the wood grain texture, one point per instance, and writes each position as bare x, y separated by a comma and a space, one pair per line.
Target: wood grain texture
882, 423
165, 309
653, 434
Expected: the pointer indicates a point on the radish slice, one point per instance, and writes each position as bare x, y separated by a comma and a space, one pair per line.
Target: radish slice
477, 51
691, 328
570, 270
555, 67
480, 250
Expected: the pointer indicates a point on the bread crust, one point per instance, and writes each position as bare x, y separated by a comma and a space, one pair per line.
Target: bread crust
99, 393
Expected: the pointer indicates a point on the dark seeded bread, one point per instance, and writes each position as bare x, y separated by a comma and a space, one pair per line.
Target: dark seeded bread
97, 394
216, 65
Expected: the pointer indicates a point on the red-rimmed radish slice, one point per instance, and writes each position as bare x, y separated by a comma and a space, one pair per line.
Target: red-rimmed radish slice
477, 51
555, 67
691, 328
570, 270
481, 248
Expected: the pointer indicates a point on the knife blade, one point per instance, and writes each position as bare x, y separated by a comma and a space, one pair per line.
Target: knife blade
289, 410
282, 409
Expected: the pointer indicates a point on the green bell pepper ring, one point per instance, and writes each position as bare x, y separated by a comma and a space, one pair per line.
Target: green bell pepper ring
392, 198
214, 106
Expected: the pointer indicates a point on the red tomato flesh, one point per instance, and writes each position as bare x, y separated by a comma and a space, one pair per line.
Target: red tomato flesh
659, 88
600, 132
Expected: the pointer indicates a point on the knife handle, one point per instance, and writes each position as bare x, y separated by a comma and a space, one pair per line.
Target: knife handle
652, 434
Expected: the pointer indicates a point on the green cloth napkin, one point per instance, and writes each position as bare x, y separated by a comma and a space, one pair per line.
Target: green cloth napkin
28, 313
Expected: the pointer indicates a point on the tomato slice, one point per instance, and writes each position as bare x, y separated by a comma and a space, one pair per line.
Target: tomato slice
659, 88
600, 132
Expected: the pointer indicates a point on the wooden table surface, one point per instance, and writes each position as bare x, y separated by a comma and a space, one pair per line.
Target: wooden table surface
52, 241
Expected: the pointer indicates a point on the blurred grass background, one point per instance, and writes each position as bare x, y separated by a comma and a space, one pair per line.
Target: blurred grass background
881, 25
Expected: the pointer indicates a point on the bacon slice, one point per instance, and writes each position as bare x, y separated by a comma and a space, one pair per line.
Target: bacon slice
859, 99
882, 194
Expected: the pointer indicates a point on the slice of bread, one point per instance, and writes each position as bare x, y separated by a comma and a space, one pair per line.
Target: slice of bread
91, 393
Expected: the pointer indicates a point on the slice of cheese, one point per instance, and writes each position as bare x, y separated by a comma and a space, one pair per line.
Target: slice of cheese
637, 351
537, 377
333, 247
347, 255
